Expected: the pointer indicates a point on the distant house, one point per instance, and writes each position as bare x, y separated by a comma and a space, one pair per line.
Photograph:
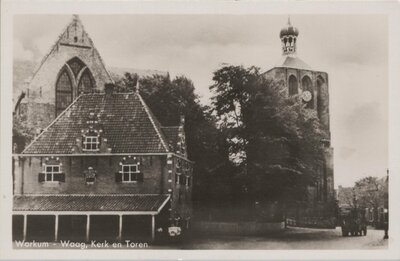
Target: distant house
102, 166
372, 199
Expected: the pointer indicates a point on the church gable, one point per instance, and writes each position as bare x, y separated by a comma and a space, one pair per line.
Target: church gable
75, 35
73, 62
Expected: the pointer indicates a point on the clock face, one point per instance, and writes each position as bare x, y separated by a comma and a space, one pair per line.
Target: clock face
307, 96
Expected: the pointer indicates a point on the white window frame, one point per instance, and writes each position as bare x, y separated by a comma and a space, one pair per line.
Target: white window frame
91, 140
52, 172
178, 178
130, 172
187, 181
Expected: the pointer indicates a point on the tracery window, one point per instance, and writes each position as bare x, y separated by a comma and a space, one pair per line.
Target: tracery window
76, 65
85, 82
63, 91
74, 78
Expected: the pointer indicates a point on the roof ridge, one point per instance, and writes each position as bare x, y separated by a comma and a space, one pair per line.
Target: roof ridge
53, 122
95, 49
153, 121
51, 50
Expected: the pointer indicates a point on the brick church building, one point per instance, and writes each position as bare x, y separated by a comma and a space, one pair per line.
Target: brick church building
101, 166
312, 86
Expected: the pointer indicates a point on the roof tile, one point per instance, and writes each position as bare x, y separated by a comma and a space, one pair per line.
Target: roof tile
89, 202
128, 125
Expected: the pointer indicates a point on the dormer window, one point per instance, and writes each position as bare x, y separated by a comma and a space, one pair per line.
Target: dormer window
91, 142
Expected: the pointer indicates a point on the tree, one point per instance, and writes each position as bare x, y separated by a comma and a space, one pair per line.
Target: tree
370, 192
278, 139
168, 99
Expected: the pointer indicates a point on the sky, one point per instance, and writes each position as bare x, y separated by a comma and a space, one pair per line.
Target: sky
352, 49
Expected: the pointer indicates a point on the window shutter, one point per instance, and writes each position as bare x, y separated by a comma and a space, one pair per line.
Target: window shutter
59, 177
118, 177
41, 177
140, 176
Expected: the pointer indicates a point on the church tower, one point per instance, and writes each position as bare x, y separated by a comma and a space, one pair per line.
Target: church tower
72, 66
299, 78
311, 86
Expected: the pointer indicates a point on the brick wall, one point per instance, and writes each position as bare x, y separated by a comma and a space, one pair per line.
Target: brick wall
106, 166
155, 178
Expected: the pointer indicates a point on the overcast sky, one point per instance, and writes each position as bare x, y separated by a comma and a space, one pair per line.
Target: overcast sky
353, 50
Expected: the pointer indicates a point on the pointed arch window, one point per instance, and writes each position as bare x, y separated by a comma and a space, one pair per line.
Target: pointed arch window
293, 86
320, 99
63, 91
86, 82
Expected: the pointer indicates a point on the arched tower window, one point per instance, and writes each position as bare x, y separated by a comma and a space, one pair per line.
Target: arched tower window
320, 99
86, 82
64, 91
306, 85
293, 86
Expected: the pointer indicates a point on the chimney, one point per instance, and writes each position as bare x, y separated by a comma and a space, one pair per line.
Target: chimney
137, 85
109, 88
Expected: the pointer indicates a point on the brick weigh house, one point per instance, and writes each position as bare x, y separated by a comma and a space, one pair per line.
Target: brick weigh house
103, 168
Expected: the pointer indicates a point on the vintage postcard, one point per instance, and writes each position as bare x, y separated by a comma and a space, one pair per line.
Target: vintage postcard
163, 130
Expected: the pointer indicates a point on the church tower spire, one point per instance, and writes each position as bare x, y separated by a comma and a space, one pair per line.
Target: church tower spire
288, 36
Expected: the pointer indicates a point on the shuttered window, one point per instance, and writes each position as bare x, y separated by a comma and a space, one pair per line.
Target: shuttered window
52, 173
129, 173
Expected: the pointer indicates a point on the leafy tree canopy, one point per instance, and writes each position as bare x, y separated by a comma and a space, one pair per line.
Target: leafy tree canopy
277, 139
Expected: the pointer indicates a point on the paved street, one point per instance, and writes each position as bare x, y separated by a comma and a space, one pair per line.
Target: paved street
294, 238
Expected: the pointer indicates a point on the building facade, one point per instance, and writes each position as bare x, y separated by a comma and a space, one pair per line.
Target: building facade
312, 87
102, 166
72, 66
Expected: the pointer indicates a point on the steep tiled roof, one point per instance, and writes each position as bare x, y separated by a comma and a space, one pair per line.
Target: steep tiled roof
171, 133
89, 202
126, 121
